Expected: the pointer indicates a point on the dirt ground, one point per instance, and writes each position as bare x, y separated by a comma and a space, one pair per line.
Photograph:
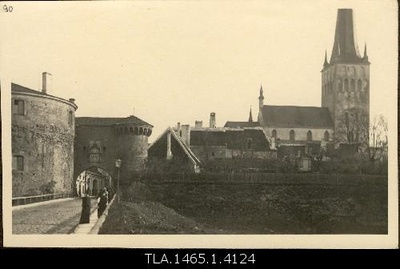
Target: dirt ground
183, 208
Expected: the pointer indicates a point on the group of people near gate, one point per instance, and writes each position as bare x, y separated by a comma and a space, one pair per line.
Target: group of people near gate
103, 199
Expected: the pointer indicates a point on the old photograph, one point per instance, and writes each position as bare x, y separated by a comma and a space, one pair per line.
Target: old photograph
256, 124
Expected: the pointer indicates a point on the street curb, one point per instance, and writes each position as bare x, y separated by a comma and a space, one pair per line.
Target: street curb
19, 207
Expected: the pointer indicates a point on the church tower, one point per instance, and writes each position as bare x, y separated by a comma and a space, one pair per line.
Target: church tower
345, 83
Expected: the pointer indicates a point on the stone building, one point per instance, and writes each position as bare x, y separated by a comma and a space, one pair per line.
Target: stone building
101, 141
43, 129
343, 117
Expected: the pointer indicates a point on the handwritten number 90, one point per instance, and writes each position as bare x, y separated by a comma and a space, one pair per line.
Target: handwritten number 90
7, 8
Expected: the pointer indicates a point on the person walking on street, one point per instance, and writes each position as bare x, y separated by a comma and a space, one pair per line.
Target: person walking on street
102, 202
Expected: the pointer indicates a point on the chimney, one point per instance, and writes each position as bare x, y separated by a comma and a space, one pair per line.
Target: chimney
46, 82
178, 128
198, 124
186, 134
213, 123
72, 100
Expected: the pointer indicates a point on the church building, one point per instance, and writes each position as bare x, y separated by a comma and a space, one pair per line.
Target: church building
343, 117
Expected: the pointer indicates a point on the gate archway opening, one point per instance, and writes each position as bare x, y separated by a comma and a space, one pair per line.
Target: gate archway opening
91, 180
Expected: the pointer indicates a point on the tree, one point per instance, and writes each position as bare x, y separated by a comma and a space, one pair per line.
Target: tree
362, 143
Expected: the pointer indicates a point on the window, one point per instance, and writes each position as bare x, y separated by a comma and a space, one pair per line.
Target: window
18, 107
291, 136
94, 155
309, 136
346, 84
346, 116
353, 85
70, 118
359, 85
326, 136
84, 148
340, 85
18, 163
274, 133
249, 143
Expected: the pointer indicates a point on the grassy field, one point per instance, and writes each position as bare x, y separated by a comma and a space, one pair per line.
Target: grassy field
293, 205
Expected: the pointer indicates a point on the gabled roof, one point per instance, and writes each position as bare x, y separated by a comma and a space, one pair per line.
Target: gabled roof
234, 138
241, 124
184, 147
97, 121
296, 117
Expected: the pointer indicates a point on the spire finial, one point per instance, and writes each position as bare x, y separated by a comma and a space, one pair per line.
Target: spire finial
326, 60
365, 57
250, 116
365, 50
261, 92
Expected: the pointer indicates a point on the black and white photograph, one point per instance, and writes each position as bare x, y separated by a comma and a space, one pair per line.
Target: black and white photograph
199, 124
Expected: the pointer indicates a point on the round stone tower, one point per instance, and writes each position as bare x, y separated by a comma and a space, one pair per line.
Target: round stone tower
43, 129
132, 139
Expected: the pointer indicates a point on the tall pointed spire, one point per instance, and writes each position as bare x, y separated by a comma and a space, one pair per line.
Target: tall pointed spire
261, 98
344, 47
250, 116
261, 93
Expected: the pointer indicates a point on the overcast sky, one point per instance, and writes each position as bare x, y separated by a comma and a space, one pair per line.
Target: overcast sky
178, 61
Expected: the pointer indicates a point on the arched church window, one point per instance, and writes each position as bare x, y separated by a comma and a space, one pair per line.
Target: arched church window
140, 131
136, 131
309, 135
291, 136
359, 85
94, 155
346, 84
131, 130
274, 133
353, 85
326, 136
362, 71
340, 85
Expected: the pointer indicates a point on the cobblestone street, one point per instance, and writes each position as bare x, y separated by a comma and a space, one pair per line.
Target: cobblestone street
50, 218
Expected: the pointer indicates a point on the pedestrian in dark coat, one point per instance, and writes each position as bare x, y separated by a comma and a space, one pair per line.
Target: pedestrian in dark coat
102, 201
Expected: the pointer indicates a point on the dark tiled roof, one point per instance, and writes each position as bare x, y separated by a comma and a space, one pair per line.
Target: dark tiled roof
241, 124
232, 139
207, 137
110, 121
296, 117
18, 88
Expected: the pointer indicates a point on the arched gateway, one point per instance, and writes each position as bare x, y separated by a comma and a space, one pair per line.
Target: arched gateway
91, 180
